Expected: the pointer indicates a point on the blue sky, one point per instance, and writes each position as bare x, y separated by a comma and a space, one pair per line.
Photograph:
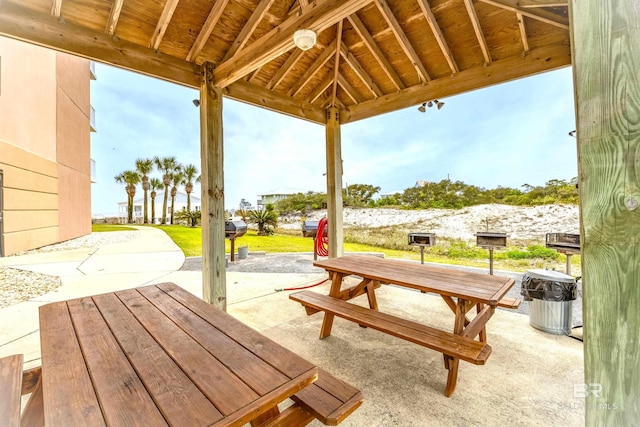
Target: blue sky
507, 135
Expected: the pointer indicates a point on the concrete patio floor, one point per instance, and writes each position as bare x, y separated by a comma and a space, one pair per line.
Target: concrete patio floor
528, 380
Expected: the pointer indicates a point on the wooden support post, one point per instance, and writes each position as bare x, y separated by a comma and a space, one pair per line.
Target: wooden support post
606, 58
214, 289
334, 184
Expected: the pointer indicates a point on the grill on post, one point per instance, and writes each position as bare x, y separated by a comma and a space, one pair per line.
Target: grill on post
491, 240
423, 240
565, 243
232, 230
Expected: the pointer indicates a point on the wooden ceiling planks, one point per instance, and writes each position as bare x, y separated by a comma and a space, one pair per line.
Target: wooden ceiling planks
391, 53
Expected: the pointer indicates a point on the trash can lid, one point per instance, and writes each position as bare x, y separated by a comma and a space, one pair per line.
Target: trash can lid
551, 275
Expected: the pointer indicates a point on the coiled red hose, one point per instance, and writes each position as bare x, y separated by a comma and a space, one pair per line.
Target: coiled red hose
321, 242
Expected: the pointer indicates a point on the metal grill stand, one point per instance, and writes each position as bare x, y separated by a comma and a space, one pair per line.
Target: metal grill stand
565, 243
233, 230
491, 240
422, 240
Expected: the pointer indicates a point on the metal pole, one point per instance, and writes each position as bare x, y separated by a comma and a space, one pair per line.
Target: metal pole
568, 269
233, 240
421, 254
491, 261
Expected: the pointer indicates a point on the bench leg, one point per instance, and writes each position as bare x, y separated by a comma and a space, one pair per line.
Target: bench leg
294, 415
452, 377
263, 418
33, 414
327, 324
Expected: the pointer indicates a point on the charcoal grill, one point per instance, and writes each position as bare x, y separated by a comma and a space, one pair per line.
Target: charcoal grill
310, 229
422, 240
565, 243
233, 230
491, 240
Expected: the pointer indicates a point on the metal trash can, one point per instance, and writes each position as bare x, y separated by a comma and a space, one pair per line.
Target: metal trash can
550, 294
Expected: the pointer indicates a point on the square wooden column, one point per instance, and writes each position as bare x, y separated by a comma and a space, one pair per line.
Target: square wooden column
334, 183
606, 61
214, 287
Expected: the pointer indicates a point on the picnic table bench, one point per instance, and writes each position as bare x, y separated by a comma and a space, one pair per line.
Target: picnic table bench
461, 291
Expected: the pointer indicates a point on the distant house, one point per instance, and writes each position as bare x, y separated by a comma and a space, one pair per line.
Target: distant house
275, 196
138, 205
420, 184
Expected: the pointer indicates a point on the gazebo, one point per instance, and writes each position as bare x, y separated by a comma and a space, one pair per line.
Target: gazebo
363, 58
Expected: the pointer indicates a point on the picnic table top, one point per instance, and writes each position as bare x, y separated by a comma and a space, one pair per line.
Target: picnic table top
476, 287
158, 355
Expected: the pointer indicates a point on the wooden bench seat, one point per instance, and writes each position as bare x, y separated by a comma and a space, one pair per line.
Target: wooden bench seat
447, 343
10, 389
328, 399
512, 303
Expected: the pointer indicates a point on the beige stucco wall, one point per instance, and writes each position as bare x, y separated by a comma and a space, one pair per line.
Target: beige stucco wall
44, 146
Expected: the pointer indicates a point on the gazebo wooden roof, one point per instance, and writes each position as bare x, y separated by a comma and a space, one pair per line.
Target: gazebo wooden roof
377, 56
371, 57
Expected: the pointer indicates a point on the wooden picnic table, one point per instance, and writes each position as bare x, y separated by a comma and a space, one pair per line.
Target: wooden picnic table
157, 355
461, 291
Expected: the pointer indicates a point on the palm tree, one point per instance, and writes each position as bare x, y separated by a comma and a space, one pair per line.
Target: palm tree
155, 184
189, 171
266, 218
131, 179
166, 165
177, 179
144, 168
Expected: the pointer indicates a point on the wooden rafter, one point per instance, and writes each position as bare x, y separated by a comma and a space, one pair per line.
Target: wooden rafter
207, 28
540, 60
523, 32
539, 14
313, 69
163, 23
437, 32
371, 44
336, 63
56, 8
324, 14
254, 75
349, 90
543, 3
405, 44
114, 16
249, 28
357, 68
475, 22
303, 3
286, 67
319, 89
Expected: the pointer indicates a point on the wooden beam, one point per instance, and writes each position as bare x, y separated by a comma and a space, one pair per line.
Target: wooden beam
437, 32
334, 184
42, 29
515, 67
286, 67
322, 15
543, 3
114, 16
523, 33
249, 28
606, 53
214, 287
371, 44
405, 44
539, 14
260, 97
319, 89
312, 70
349, 90
163, 23
303, 3
56, 7
207, 28
475, 22
360, 72
336, 64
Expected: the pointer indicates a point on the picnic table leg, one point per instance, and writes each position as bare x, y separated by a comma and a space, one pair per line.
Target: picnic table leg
263, 418
452, 362
327, 321
483, 332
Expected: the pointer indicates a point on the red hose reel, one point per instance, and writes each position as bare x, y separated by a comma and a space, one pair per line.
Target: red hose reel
321, 242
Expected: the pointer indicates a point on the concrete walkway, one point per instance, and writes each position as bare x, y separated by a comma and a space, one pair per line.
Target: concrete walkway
528, 380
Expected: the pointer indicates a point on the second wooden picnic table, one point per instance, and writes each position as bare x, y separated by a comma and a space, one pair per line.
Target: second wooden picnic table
461, 290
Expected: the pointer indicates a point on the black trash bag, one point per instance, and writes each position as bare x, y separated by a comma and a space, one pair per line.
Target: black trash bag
534, 287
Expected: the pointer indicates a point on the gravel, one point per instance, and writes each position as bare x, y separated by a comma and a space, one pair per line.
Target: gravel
18, 285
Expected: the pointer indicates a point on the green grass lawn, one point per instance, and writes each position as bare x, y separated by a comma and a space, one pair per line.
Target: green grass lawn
98, 228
